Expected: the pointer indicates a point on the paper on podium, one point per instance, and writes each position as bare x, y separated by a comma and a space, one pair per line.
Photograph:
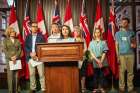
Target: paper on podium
34, 63
15, 66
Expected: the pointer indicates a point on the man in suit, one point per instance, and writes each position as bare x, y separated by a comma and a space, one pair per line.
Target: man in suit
30, 48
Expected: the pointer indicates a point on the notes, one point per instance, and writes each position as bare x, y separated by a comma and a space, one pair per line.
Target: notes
34, 63
15, 66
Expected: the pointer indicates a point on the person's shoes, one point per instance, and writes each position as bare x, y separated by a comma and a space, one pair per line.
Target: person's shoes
131, 91
17, 92
44, 91
94, 90
83, 90
121, 90
32, 91
103, 90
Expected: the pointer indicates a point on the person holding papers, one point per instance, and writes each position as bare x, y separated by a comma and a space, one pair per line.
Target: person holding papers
32, 59
12, 49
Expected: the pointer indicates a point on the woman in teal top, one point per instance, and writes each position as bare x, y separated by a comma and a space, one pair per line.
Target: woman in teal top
98, 49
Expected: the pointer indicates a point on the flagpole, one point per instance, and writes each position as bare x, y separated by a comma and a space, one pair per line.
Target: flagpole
113, 90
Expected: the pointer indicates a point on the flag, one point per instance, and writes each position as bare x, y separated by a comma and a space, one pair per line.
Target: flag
68, 16
84, 25
99, 23
26, 31
40, 21
26, 22
111, 55
14, 24
56, 14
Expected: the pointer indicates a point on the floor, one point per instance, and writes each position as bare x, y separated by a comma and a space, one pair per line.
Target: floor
23, 91
25, 86
137, 90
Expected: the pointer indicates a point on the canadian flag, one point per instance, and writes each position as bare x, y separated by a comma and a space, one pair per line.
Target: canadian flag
99, 23
40, 20
68, 16
13, 22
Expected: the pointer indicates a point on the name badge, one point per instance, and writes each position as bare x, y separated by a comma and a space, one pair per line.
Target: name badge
124, 38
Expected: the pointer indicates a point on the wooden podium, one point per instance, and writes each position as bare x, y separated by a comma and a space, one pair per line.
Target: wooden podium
61, 66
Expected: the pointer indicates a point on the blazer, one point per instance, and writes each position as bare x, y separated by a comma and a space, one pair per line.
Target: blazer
28, 44
11, 48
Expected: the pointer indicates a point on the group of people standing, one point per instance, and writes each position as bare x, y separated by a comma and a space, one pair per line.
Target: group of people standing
97, 48
125, 43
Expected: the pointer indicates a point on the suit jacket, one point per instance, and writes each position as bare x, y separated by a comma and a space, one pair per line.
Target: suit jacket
11, 48
28, 44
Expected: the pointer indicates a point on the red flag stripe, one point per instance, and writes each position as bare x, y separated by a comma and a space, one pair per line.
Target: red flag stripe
83, 24
13, 23
56, 14
68, 16
99, 23
111, 55
12, 18
41, 22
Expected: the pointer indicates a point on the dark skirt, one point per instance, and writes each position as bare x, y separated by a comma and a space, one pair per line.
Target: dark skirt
86, 69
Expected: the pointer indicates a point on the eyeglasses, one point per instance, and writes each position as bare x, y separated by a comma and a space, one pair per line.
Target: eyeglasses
34, 26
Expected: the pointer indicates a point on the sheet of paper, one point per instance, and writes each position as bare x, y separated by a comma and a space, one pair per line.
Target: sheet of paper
15, 66
34, 63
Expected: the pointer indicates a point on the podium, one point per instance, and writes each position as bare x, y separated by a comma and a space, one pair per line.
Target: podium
61, 66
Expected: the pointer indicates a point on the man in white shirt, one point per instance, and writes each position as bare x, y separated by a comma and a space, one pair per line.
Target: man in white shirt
55, 33
30, 48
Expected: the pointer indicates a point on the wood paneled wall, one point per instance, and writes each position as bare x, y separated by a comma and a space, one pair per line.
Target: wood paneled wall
48, 7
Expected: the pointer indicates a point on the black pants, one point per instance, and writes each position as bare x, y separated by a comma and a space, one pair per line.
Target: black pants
98, 78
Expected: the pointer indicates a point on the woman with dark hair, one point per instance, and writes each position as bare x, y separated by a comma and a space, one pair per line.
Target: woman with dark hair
66, 34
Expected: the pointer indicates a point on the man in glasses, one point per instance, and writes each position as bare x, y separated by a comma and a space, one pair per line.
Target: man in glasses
31, 57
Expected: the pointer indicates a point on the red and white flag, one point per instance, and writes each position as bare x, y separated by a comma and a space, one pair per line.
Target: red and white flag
14, 24
40, 20
84, 25
26, 31
56, 14
111, 54
68, 16
99, 23
26, 22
